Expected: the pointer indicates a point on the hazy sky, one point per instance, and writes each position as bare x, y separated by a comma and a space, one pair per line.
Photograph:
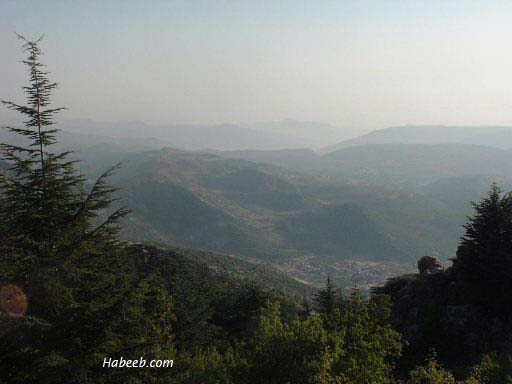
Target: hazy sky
354, 64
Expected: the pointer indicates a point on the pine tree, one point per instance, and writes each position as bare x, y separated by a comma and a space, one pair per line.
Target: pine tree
45, 211
83, 291
484, 258
327, 298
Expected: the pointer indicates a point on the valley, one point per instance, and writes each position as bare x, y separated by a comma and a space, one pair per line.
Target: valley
361, 213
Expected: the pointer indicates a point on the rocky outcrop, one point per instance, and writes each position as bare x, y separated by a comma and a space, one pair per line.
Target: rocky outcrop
433, 307
429, 265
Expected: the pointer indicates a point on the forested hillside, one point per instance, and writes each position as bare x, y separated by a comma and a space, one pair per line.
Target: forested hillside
294, 218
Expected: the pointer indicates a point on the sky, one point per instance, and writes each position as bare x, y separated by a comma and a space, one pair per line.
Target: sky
359, 65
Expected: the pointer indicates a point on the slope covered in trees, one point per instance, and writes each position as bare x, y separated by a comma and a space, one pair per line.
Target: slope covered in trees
255, 211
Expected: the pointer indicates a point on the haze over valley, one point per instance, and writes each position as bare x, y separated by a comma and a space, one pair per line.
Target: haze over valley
362, 209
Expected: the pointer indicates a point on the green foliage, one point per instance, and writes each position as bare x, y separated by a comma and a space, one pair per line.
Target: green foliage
46, 216
483, 261
206, 367
217, 299
354, 345
327, 298
362, 326
294, 352
490, 371
86, 299
371, 347
431, 373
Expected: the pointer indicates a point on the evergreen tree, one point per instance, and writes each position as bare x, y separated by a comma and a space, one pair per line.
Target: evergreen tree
83, 292
45, 212
484, 258
327, 298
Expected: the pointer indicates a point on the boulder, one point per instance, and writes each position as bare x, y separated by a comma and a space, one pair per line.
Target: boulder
429, 265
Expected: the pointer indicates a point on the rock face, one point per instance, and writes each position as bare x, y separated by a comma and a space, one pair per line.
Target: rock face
433, 307
429, 265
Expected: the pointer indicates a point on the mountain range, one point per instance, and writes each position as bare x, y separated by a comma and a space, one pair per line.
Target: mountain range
364, 211
264, 135
495, 136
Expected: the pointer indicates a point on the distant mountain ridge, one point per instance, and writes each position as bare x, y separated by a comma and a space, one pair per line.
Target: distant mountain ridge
394, 165
415, 164
498, 136
258, 136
